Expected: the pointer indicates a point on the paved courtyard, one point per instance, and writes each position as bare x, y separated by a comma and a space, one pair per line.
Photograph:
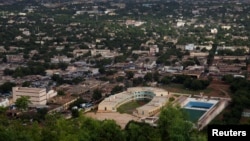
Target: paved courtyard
121, 119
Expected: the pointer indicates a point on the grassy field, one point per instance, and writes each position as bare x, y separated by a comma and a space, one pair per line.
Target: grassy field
178, 88
131, 106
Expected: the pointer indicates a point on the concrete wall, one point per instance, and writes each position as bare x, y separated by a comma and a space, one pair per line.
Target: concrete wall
211, 114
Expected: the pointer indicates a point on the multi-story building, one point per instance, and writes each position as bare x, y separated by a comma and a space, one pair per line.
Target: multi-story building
37, 96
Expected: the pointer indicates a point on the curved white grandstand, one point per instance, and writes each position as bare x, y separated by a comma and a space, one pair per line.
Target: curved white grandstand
159, 98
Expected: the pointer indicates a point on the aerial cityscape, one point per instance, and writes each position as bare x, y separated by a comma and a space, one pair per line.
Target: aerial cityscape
123, 70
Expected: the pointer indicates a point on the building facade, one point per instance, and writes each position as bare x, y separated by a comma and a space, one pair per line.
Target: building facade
37, 96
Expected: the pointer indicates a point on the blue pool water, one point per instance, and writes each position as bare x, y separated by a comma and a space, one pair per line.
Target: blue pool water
194, 114
195, 104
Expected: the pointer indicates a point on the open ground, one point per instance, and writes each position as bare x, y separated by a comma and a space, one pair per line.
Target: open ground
121, 119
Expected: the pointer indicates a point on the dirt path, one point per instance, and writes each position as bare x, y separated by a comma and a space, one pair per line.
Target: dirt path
219, 89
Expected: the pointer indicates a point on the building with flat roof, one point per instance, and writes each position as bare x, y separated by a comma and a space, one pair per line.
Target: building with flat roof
15, 58
4, 102
151, 108
159, 98
38, 96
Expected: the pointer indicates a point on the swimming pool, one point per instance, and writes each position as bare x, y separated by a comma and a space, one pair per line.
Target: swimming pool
195, 109
196, 104
194, 114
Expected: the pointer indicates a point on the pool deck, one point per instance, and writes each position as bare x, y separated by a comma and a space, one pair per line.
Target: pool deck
218, 105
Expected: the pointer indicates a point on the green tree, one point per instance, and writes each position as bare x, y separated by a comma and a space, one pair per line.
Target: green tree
60, 92
129, 74
102, 70
22, 102
120, 78
117, 89
62, 65
41, 113
75, 113
166, 80
97, 94
110, 131
173, 124
156, 76
8, 72
227, 78
7, 87
26, 84
148, 77
137, 81
141, 131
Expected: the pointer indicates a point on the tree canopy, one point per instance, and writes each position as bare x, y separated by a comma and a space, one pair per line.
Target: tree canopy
22, 102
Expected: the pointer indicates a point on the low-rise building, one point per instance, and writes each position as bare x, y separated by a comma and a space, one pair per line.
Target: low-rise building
58, 59
140, 52
153, 49
190, 47
15, 58
246, 113
80, 52
159, 98
4, 102
199, 54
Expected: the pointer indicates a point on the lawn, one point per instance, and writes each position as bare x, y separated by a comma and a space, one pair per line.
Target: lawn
131, 106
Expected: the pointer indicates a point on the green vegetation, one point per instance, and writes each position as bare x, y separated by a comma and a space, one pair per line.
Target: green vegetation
131, 106
171, 99
179, 88
117, 89
22, 102
7, 87
185, 84
240, 100
97, 94
173, 126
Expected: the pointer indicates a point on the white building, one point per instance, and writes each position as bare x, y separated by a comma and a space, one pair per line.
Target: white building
94, 71
103, 52
153, 49
51, 93
140, 52
227, 27
37, 96
180, 24
214, 31
172, 69
4, 102
159, 98
207, 47
190, 47
58, 59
